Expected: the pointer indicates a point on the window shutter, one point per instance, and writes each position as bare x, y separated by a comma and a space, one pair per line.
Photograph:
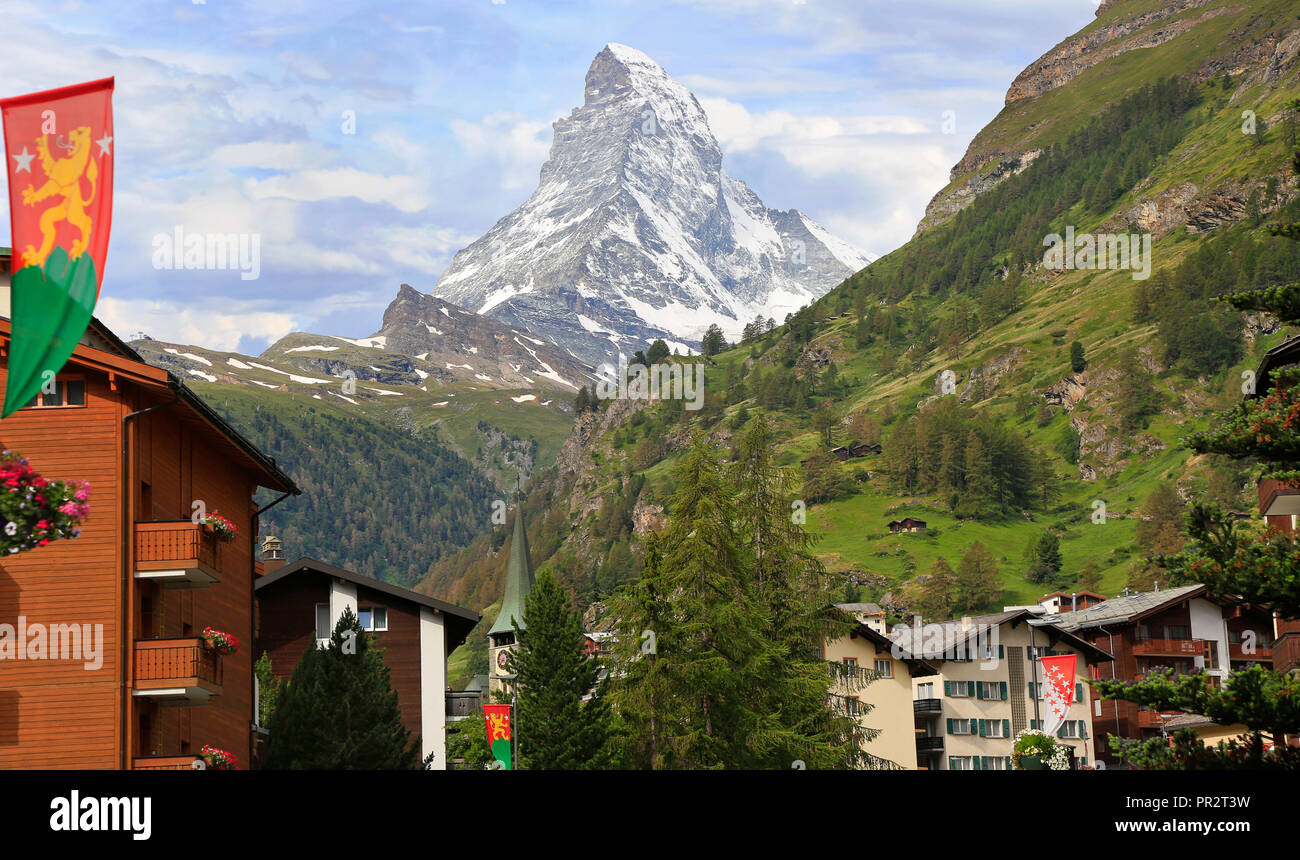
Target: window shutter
1060, 730
1002, 652
1078, 692
1008, 762
1004, 690
983, 729
950, 725
979, 694
952, 760
985, 762
1006, 728
1031, 689
1083, 728
975, 762
947, 688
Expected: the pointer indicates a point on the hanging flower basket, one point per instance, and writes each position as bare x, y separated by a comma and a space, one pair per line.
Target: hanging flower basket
1036, 750
34, 511
218, 759
223, 528
220, 641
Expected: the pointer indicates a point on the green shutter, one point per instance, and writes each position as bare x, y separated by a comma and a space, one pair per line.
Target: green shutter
975, 762
947, 689
984, 762
983, 728
1083, 728
950, 725
1078, 692
1002, 652
1004, 690
979, 694
1008, 762
1006, 728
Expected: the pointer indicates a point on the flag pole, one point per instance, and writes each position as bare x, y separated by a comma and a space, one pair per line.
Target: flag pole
1037, 688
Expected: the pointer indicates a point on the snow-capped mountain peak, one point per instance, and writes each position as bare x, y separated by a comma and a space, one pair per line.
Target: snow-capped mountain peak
636, 232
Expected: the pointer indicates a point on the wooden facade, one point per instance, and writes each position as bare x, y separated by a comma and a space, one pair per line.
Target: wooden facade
286, 627
141, 572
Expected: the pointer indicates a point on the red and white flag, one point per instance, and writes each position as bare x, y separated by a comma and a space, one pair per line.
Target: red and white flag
1058, 689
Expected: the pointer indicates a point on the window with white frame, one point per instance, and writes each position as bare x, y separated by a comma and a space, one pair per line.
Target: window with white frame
993, 729
961, 688
995, 762
960, 762
885, 668
323, 630
961, 727
925, 691
990, 689
373, 618
1069, 729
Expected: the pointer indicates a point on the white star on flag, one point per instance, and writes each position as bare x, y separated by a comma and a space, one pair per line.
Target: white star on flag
24, 160
103, 144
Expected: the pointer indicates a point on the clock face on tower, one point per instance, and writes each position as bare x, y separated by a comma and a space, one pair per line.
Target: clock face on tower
501, 659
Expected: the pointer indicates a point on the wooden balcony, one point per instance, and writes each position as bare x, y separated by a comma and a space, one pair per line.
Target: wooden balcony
178, 554
1259, 655
166, 762
176, 671
1170, 647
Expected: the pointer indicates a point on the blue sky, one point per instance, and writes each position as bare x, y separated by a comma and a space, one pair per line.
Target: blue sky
230, 118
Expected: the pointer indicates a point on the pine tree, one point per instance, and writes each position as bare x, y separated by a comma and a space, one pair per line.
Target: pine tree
731, 611
557, 730
936, 599
1077, 361
977, 578
339, 711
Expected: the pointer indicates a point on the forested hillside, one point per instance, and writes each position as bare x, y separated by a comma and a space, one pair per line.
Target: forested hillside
1032, 416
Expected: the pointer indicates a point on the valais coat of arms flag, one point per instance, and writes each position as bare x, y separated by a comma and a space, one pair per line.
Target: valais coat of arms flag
1058, 689
59, 154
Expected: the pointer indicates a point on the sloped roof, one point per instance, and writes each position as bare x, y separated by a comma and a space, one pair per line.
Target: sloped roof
519, 579
460, 621
864, 608
1095, 654
1120, 610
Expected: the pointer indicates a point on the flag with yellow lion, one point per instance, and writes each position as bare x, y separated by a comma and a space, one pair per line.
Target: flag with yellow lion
59, 155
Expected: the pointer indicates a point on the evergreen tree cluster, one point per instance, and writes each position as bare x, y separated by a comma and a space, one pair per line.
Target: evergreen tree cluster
976, 463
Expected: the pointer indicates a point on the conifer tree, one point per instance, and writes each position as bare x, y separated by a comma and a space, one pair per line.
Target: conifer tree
732, 610
557, 730
339, 711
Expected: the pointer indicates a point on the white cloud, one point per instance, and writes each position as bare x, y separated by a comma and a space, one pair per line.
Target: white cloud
519, 144
183, 322
426, 249
405, 193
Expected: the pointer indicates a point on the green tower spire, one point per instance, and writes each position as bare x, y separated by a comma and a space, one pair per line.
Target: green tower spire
519, 578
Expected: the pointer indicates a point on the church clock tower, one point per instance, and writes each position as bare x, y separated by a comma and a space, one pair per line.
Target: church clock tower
519, 582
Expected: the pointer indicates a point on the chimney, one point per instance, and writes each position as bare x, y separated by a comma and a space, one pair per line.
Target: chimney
272, 554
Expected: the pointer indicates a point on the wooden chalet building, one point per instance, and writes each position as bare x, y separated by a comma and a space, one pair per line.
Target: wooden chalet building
142, 573
906, 525
299, 605
1184, 629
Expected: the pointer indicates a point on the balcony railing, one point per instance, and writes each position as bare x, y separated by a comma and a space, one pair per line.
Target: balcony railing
177, 554
1189, 647
1259, 655
929, 744
165, 762
177, 670
927, 706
